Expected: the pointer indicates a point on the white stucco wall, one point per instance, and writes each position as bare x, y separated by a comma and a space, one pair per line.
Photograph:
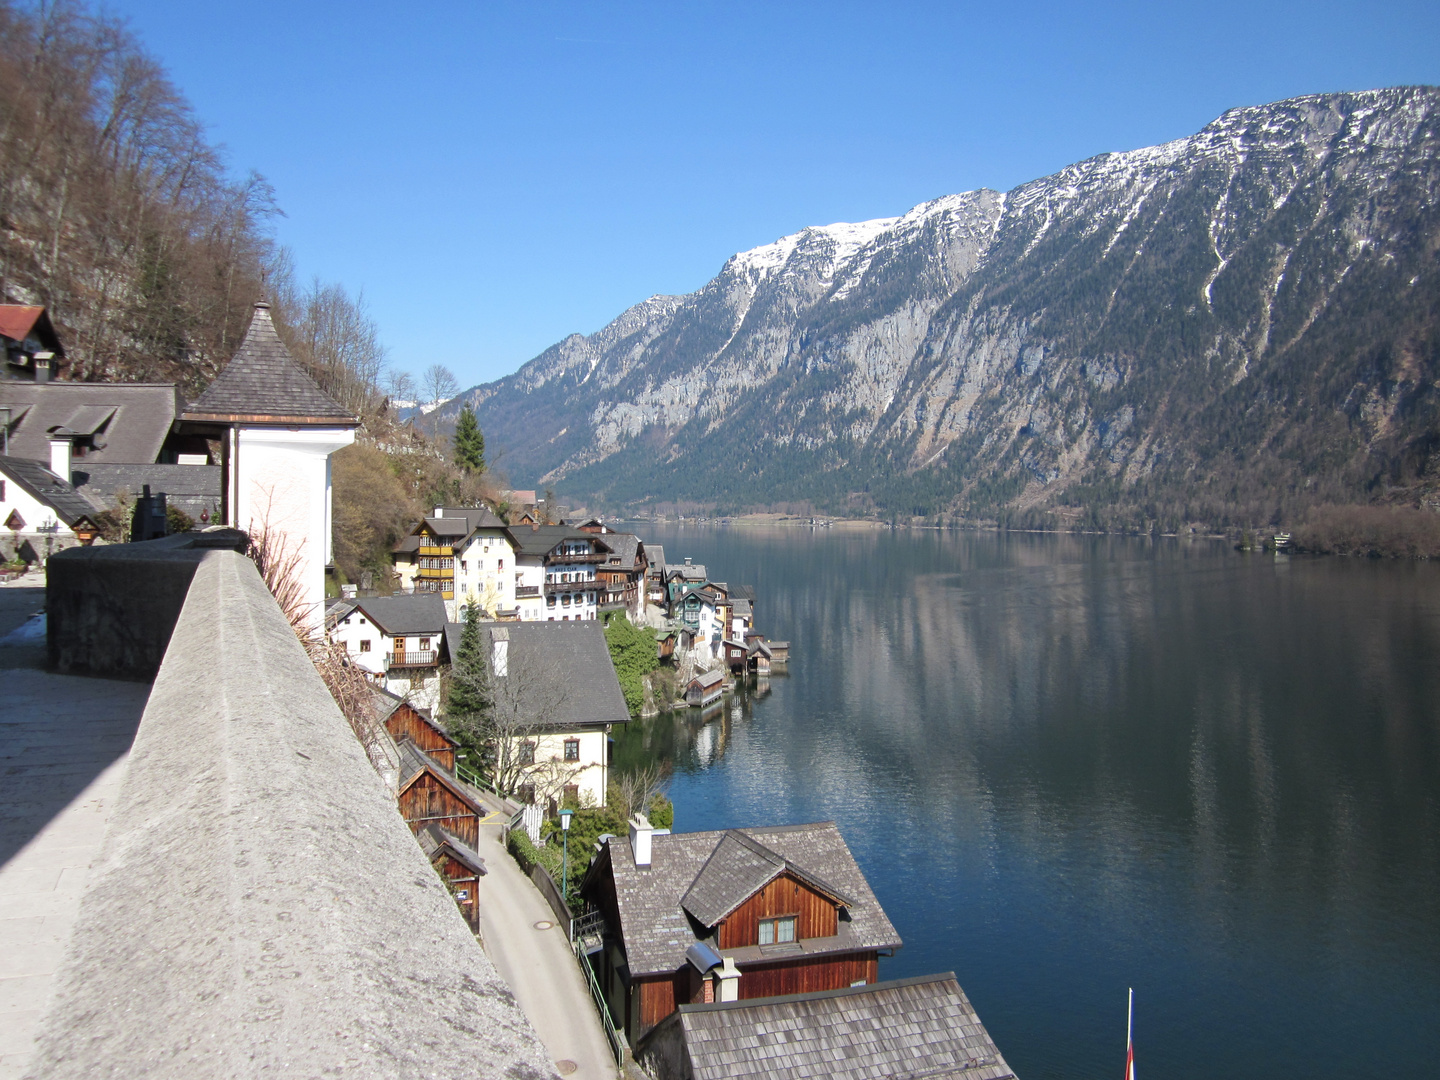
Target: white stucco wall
485, 572
591, 774
44, 531
280, 481
532, 574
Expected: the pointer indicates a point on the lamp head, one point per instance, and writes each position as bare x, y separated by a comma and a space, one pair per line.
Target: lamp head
565, 816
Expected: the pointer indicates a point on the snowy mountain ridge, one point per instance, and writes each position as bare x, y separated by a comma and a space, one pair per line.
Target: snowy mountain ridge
990, 350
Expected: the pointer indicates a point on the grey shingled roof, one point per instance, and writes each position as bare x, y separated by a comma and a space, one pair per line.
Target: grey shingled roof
542, 539
656, 553
69, 505
921, 1027
414, 761
434, 839
477, 517
263, 383
736, 870
129, 421
707, 679
568, 663
624, 547
191, 488
657, 930
422, 613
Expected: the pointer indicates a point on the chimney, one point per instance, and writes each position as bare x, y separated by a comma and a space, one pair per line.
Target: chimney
640, 833
60, 455
687, 560
500, 651
729, 976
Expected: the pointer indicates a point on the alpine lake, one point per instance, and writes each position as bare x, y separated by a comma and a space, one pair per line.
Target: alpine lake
1071, 765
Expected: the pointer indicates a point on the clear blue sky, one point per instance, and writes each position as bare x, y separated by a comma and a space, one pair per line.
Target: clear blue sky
495, 176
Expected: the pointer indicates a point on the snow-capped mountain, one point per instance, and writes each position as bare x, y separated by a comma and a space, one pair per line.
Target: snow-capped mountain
1249, 311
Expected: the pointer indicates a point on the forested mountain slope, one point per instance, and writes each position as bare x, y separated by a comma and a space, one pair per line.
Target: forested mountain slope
1219, 328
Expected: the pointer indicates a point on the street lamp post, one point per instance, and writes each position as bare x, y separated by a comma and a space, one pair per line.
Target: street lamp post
565, 816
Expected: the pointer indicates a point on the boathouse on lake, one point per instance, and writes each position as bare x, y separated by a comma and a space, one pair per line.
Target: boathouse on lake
705, 688
734, 914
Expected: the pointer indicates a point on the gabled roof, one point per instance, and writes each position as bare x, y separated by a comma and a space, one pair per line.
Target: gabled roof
128, 422
414, 763
567, 665
707, 679
920, 1027
657, 929
385, 703
422, 613
625, 550
685, 571
435, 840
656, 553
476, 517
19, 321
263, 384
543, 539
44, 486
741, 607
737, 869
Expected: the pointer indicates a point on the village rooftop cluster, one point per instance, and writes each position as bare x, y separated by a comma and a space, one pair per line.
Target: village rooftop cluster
699, 946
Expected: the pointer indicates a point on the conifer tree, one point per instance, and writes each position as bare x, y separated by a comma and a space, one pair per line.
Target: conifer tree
469, 442
469, 696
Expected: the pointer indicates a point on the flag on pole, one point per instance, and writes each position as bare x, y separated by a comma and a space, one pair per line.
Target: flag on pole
1129, 1041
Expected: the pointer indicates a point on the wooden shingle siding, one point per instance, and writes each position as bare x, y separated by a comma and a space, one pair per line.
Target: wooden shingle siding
815, 915
427, 801
405, 722
809, 975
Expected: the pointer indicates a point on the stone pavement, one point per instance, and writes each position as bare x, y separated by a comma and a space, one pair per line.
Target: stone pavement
538, 964
63, 746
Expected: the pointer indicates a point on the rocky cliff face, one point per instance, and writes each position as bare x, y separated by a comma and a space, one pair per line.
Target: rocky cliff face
1242, 317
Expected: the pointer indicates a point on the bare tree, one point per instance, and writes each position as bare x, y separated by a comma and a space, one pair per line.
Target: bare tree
523, 700
400, 385
633, 791
440, 383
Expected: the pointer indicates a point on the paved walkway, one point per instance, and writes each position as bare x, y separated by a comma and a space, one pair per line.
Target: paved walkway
64, 742
539, 965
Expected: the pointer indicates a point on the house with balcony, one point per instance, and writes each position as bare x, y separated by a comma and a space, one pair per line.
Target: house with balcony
730, 915
623, 573
484, 564
559, 573
399, 641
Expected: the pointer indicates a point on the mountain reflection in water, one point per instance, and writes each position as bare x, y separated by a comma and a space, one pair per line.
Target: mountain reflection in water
1071, 765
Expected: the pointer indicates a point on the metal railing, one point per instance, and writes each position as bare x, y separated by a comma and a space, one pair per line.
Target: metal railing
614, 1036
425, 658
475, 779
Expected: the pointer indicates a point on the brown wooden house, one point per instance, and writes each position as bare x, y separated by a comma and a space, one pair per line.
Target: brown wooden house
786, 906
430, 795
404, 721
460, 863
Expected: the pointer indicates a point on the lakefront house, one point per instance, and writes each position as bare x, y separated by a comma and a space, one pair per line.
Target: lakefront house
730, 915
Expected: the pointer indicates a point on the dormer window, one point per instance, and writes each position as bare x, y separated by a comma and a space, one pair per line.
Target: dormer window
777, 931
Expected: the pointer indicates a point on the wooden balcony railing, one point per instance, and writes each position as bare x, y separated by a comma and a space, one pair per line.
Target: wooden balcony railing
418, 658
572, 586
522, 591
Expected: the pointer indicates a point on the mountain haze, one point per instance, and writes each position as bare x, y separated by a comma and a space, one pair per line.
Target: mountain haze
1215, 329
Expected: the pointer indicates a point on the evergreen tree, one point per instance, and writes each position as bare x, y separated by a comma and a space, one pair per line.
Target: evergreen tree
469, 696
469, 442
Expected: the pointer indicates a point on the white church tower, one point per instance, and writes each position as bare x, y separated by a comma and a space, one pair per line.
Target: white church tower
277, 431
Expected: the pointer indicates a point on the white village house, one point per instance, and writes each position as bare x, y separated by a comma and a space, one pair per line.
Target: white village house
559, 679
398, 641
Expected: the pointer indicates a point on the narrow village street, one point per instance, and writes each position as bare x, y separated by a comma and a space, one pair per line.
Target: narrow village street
538, 964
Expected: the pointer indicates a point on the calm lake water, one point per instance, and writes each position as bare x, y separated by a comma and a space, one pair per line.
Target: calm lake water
1069, 766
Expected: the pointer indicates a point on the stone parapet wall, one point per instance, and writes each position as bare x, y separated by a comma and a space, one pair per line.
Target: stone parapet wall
260, 907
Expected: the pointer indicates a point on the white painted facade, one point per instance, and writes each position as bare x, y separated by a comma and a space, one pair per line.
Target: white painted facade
530, 577
372, 650
485, 573
280, 481
43, 530
589, 770
572, 594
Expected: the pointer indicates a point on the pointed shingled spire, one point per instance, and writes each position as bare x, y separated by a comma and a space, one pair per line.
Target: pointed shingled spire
263, 384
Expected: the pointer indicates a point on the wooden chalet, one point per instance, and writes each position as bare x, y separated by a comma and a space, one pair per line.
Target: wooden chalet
403, 721
705, 688
918, 1027
788, 907
460, 863
430, 795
